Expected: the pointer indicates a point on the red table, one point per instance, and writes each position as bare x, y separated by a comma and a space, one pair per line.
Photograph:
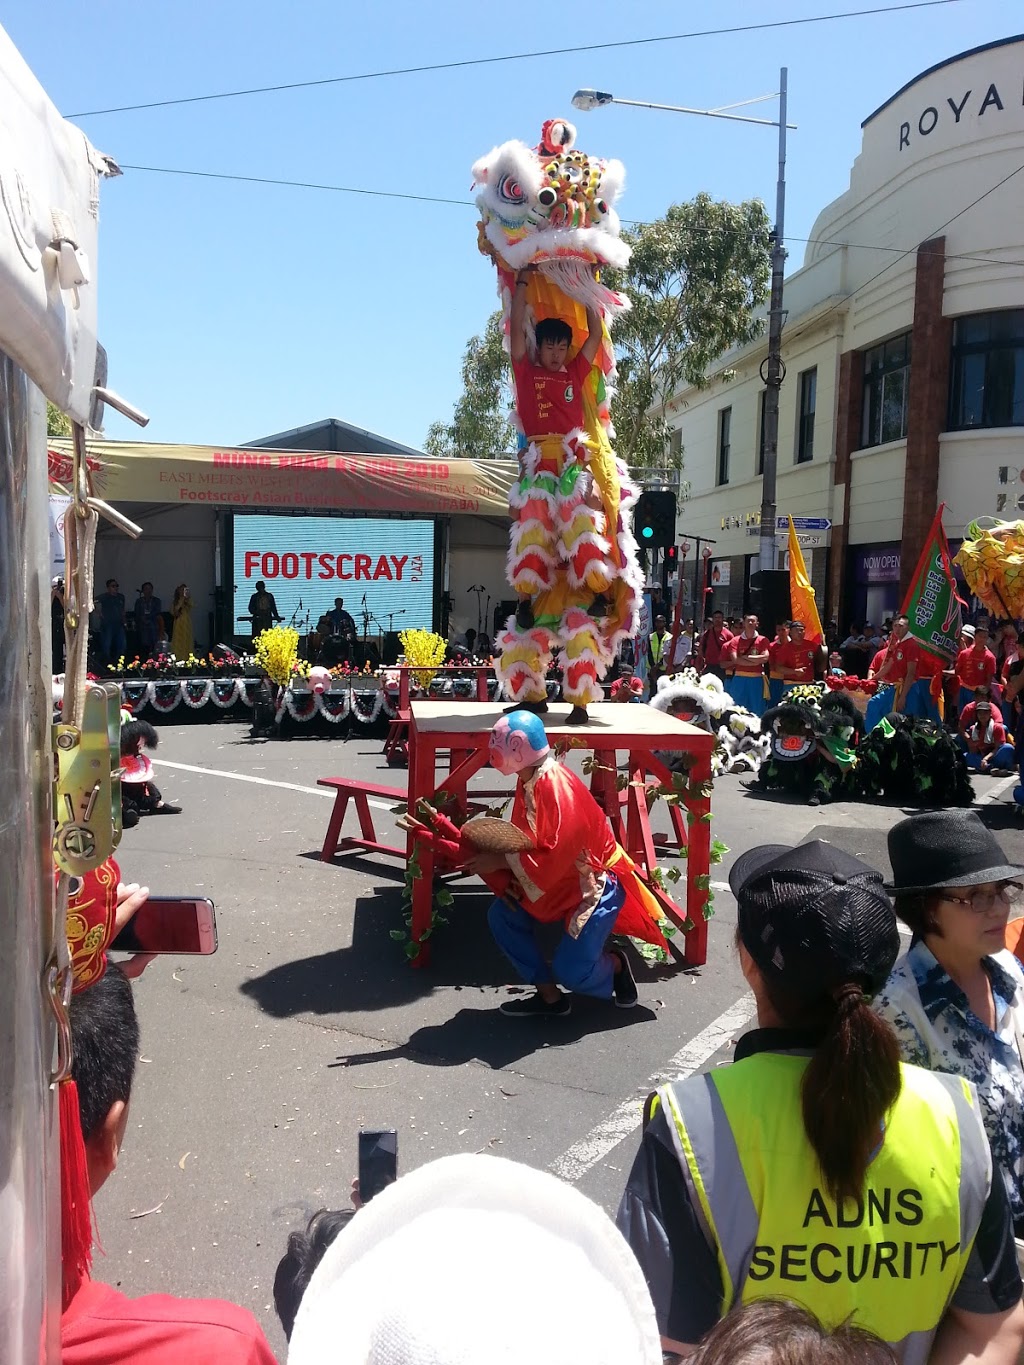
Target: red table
463, 730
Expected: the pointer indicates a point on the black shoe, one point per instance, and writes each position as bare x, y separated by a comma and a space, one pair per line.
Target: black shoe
129, 818
537, 708
524, 615
577, 716
599, 607
624, 990
814, 801
536, 1007
166, 809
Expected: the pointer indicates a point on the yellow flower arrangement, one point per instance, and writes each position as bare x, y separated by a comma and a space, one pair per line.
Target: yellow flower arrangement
424, 651
276, 652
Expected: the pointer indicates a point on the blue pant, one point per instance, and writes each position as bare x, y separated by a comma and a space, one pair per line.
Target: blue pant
775, 690
1004, 757
112, 641
580, 964
748, 692
920, 702
879, 706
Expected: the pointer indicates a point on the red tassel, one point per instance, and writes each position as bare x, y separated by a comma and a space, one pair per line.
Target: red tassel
75, 1200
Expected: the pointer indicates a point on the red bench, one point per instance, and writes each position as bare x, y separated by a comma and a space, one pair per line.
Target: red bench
355, 790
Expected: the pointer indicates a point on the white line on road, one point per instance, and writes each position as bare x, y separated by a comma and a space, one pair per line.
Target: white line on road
586, 1153
260, 781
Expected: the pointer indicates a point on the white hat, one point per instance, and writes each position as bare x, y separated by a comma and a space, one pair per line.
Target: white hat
475, 1260
968, 631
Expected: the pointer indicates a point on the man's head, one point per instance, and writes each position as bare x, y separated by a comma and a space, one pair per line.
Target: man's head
470, 635
554, 337
798, 631
260, 586
147, 589
782, 632
659, 624
305, 1252
750, 624
105, 1045
980, 638
900, 627
718, 619
339, 602
111, 585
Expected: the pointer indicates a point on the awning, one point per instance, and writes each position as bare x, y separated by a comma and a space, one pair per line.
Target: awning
131, 471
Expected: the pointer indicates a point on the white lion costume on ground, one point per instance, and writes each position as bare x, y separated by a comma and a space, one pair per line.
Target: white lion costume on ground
704, 702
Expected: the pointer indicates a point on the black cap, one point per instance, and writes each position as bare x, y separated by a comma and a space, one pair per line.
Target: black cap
814, 918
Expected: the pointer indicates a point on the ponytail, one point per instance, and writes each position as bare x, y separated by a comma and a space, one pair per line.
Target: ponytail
849, 1087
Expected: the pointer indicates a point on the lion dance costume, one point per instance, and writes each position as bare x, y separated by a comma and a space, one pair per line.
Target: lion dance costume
550, 208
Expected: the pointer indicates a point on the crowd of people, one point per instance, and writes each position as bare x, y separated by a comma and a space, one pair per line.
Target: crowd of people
850, 1188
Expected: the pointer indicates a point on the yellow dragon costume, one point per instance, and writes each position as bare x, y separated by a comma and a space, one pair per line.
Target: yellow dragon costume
550, 208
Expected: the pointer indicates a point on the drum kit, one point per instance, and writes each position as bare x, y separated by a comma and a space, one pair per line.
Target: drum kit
332, 647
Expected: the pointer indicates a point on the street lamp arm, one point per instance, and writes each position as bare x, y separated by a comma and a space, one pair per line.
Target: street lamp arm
678, 109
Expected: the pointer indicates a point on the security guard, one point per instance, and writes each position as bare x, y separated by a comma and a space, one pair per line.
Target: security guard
817, 1168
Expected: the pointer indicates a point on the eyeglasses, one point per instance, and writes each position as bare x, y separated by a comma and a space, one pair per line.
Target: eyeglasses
1010, 893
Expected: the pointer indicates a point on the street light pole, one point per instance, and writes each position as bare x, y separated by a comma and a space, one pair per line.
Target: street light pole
774, 371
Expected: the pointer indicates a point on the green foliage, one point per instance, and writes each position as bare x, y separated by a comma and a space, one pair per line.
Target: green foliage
57, 423
696, 279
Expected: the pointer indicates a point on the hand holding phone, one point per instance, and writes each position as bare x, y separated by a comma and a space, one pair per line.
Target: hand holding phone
378, 1161
170, 924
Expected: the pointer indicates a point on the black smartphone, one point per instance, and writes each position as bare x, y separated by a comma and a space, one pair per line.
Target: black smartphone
170, 924
378, 1161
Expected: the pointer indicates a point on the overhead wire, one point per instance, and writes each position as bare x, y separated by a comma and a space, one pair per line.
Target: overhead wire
468, 203
510, 57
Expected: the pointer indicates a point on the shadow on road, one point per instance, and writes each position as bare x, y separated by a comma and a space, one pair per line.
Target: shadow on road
487, 1036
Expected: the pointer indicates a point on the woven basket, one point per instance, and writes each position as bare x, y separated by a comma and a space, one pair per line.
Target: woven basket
496, 836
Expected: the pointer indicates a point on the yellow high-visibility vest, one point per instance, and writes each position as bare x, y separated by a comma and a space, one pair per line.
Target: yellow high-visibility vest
888, 1261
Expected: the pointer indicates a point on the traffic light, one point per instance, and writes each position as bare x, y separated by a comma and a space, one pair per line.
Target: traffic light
672, 558
654, 521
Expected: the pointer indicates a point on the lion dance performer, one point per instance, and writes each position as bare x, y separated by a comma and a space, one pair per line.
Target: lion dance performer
549, 226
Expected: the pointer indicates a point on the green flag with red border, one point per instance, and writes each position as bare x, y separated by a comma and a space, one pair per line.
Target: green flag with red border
932, 604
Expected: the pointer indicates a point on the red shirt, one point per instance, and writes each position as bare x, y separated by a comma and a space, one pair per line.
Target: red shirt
802, 661
975, 668
550, 402
779, 657
103, 1327
901, 654
739, 646
712, 646
969, 719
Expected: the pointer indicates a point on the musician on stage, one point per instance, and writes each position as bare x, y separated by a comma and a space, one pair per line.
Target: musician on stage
341, 622
263, 609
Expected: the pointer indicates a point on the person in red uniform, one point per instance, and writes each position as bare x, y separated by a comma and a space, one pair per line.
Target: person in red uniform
803, 657
744, 658
713, 641
100, 1325
779, 654
896, 664
975, 667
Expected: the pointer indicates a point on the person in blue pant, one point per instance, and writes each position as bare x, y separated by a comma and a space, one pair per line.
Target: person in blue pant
983, 736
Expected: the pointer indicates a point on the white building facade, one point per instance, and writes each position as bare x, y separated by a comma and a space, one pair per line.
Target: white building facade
904, 354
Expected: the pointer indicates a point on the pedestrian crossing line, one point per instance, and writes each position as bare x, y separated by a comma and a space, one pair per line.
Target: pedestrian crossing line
260, 781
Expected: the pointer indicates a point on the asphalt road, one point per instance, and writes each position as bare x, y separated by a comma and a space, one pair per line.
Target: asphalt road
259, 1065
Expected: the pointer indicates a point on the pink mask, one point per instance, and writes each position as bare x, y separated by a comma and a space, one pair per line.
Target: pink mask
515, 747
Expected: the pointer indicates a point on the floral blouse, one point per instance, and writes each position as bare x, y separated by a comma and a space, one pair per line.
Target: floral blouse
937, 1029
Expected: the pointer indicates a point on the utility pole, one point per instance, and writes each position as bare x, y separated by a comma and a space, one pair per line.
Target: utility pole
773, 371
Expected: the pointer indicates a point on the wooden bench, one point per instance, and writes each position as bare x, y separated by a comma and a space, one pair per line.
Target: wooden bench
354, 789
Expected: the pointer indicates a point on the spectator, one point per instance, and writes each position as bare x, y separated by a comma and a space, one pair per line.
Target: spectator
147, 609
262, 609
658, 643
99, 1324
778, 663
744, 658
983, 735
836, 667
305, 1252
975, 665
182, 637
714, 638
814, 1124
112, 620
416, 1275
956, 999
681, 648
773, 1332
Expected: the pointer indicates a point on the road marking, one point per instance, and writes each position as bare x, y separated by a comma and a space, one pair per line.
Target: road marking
259, 781
626, 1119
991, 797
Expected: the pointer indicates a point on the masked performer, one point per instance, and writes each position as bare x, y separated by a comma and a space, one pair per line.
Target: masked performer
548, 224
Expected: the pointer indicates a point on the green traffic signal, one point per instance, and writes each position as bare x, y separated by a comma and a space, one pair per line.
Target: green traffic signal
647, 532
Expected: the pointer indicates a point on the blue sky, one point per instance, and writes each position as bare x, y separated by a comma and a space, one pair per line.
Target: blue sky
231, 311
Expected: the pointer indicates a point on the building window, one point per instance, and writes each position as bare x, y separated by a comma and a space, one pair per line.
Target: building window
987, 383
886, 391
675, 448
805, 427
724, 444
759, 463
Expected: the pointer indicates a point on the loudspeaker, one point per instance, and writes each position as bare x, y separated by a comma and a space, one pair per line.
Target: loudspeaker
769, 592
392, 647
502, 612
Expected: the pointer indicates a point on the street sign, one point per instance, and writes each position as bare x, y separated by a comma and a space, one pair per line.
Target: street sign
799, 524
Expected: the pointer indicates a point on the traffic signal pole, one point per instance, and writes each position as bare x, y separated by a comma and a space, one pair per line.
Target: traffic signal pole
774, 371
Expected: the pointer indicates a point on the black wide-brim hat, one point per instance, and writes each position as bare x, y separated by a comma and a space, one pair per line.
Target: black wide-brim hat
946, 848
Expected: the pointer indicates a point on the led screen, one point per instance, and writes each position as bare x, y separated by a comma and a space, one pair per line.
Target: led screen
380, 564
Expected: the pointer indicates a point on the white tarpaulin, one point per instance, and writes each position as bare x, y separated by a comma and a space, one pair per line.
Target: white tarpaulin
49, 208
